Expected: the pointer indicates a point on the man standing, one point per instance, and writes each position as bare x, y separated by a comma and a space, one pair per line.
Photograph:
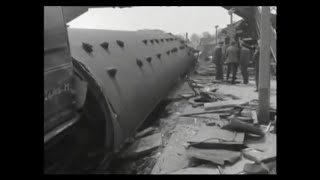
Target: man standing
244, 61
217, 60
232, 59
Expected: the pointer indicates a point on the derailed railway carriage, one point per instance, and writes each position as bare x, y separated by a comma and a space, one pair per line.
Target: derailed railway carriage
100, 85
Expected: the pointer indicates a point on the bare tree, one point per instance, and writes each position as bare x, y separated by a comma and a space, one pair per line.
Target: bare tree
206, 34
195, 38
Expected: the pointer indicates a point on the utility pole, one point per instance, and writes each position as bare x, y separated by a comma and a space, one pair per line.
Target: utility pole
264, 67
231, 11
216, 34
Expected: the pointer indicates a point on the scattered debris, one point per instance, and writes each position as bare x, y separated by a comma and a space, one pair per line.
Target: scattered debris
207, 117
143, 146
232, 96
237, 167
261, 149
255, 168
145, 132
210, 128
187, 95
245, 119
224, 104
197, 170
261, 168
267, 143
206, 71
221, 171
236, 125
246, 113
258, 156
194, 111
217, 156
216, 138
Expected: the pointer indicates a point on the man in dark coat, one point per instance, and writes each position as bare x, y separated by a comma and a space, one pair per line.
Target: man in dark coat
232, 60
244, 62
217, 60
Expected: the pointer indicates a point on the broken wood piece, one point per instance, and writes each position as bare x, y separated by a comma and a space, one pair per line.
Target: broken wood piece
224, 115
237, 167
145, 132
255, 168
238, 126
196, 112
210, 89
267, 143
254, 117
187, 95
197, 170
258, 156
221, 170
246, 113
209, 137
245, 119
254, 108
268, 128
143, 146
217, 156
232, 96
260, 168
211, 116
223, 104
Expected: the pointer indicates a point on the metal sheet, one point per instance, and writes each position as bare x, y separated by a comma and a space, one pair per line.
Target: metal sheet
133, 88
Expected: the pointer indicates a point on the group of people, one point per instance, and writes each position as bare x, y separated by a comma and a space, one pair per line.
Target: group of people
234, 57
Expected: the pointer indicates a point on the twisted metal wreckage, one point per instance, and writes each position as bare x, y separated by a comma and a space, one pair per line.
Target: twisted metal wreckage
100, 85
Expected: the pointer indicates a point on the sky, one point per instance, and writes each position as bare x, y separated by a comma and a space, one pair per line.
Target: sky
177, 20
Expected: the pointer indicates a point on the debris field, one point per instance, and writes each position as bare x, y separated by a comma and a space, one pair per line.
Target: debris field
204, 127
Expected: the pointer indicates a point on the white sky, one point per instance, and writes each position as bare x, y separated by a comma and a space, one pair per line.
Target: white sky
177, 20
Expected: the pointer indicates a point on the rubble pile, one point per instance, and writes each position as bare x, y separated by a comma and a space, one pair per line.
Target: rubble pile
235, 144
226, 136
205, 130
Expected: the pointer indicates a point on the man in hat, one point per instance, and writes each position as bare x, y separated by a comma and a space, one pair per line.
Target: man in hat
244, 61
217, 60
232, 60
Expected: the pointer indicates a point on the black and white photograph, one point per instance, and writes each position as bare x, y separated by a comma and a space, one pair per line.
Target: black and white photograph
151, 90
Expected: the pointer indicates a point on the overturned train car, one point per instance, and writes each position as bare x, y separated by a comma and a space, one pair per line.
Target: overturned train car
133, 70
126, 75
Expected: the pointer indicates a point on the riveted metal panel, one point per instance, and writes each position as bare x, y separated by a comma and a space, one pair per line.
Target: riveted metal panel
133, 89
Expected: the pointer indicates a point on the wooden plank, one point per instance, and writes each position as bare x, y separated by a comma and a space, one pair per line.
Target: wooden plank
252, 108
143, 145
223, 104
145, 132
199, 111
197, 170
217, 156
